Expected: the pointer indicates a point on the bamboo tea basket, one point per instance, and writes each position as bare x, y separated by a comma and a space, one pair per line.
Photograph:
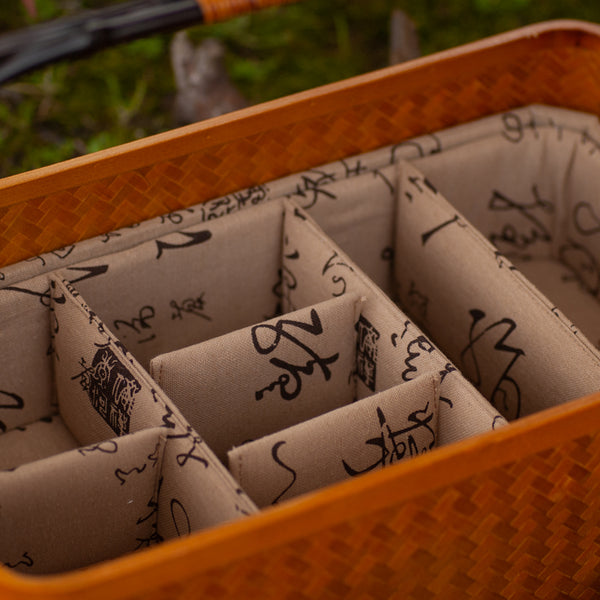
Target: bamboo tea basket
510, 514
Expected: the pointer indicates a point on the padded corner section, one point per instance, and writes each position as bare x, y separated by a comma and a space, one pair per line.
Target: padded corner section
190, 285
498, 330
367, 435
357, 213
262, 378
82, 506
103, 390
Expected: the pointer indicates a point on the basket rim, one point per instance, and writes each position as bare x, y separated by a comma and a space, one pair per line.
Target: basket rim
216, 547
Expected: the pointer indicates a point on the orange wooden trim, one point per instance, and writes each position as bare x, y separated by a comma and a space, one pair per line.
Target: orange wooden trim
221, 10
172, 561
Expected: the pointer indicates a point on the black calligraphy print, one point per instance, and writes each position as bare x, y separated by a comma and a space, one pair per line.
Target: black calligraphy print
377, 174
122, 474
106, 237
176, 217
585, 219
415, 349
140, 324
193, 239
106, 447
11, 401
190, 306
195, 442
243, 511
530, 230
340, 282
587, 139
515, 127
583, 264
506, 393
25, 561
180, 518
111, 388
498, 421
354, 169
419, 146
313, 186
154, 537
427, 235
267, 338
87, 272
168, 422
394, 445
275, 454
234, 202
366, 352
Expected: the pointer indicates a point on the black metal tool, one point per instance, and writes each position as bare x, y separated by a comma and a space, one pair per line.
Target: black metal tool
74, 36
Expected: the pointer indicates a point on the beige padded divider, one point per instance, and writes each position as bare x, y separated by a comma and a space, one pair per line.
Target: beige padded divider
257, 380
531, 189
375, 432
191, 285
497, 328
82, 506
391, 348
357, 213
102, 391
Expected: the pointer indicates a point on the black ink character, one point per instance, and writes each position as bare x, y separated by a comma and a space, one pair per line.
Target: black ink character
415, 348
506, 393
181, 519
352, 170
175, 218
195, 442
583, 264
314, 188
366, 352
534, 230
417, 438
586, 138
111, 388
426, 236
190, 306
122, 475
26, 561
277, 459
106, 447
154, 537
585, 219
418, 146
294, 372
11, 401
109, 236
194, 238
336, 261
139, 324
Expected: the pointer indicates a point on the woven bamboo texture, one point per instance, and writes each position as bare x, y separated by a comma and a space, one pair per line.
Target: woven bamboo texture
514, 514
221, 10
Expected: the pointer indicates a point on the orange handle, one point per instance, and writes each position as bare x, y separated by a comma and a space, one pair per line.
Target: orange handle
221, 10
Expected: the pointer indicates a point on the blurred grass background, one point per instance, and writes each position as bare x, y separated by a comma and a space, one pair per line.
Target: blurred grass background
127, 92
